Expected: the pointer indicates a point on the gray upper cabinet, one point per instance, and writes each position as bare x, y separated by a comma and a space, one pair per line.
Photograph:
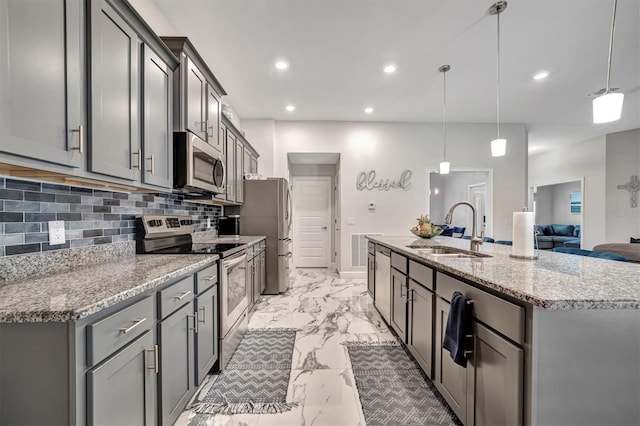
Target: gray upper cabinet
213, 119
253, 168
114, 112
231, 166
158, 120
196, 96
41, 80
239, 170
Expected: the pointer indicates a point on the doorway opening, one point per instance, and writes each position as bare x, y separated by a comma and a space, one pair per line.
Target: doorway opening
315, 179
473, 186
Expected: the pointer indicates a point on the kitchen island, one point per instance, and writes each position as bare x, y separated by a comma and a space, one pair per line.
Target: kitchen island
555, 340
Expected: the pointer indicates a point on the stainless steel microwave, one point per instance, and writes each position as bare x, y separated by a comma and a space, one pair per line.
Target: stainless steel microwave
198, 168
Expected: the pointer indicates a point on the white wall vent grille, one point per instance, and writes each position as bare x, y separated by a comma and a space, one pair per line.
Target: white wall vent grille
359, 249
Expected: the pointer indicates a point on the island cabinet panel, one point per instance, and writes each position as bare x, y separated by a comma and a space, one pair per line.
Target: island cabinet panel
496, 376
399, 303
122, 390
420, 325
41, 80
158, 120
114, 114
450, 378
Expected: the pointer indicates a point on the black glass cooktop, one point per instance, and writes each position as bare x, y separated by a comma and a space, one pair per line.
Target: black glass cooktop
220, 248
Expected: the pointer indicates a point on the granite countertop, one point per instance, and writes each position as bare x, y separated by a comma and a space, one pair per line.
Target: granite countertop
553, 281
80, 292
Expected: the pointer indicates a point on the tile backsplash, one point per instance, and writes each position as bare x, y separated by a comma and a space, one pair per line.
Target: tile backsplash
91, 216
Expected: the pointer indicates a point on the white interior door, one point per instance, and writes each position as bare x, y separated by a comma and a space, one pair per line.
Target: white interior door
478, 197
312, 221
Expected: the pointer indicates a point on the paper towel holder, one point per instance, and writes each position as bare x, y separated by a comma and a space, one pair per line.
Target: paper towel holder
535, 236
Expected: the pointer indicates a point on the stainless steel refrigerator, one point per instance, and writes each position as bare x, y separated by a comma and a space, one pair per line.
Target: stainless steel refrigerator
267, 211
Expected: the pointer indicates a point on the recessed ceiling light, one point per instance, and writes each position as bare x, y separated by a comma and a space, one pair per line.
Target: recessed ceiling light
389, 68
282, 65
290, 108
368, 110
541, 75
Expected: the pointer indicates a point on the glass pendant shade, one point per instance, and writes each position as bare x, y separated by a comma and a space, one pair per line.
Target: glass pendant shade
498, 147
607, 108
444, 167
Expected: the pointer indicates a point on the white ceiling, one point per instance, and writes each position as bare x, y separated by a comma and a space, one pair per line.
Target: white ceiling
337, 49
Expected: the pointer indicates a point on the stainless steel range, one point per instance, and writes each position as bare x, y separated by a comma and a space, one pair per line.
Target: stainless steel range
156, 234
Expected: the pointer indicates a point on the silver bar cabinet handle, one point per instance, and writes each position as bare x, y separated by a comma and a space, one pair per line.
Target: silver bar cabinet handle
152, 165
211, 278
137, 322
195, 322
155, 367
185, 294
136, 164
80, 132
204, 315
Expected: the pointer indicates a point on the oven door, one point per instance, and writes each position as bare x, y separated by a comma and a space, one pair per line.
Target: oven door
233, 293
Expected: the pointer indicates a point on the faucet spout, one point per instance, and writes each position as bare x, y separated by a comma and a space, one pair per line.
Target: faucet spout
475, 240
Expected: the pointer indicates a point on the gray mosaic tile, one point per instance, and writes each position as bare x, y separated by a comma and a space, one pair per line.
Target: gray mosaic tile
23, 184
39, 237
55, 189
54, 208
22, 249
39, 196
11, 239
21, 206
15, 228
11, 194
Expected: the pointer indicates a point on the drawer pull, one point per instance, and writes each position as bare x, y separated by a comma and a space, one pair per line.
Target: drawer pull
195, 322
80, 132
211, 278
204, 315
136, 323
155, 367
469, 336
185, 294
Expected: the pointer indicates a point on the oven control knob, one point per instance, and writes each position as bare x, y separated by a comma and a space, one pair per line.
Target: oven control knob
155, 222
186, 222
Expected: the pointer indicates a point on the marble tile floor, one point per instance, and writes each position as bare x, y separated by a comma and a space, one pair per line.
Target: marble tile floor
327, 311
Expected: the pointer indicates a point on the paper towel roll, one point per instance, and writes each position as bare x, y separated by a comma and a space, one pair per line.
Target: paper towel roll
523, 223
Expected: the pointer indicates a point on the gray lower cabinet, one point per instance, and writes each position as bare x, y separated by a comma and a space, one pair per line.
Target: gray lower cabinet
122, 390
371, 274
114, 112
263, 267
157, 140
40, 93
177, 348
420, 326
251, 279
207, 332
490, 390
399, 303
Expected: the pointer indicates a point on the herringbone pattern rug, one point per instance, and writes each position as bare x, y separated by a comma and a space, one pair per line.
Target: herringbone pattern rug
256, 378
393, 390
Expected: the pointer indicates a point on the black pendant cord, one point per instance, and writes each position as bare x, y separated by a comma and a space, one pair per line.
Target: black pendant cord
613, 29
498, 81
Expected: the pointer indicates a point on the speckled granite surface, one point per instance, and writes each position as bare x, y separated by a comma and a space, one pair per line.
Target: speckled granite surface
83, 291
51, 262
553, 281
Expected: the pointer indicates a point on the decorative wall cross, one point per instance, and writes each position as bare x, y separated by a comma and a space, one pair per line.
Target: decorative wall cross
633, 186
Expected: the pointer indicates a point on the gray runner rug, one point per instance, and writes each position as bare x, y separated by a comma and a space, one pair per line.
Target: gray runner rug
393, 389
256, 378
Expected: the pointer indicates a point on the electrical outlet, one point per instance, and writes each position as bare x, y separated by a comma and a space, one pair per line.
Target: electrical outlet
208, 222
56, 232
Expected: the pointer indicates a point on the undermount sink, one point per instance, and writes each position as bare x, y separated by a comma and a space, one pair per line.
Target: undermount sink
444, 251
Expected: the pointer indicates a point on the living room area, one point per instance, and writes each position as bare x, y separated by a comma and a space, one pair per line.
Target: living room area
593, 185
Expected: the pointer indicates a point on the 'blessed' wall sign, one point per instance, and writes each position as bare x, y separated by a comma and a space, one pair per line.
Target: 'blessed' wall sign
368, 181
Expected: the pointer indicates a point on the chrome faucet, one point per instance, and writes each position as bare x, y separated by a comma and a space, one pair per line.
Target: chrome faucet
475, 240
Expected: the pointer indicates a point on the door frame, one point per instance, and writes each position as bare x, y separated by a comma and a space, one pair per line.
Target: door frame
330, 227
487, 212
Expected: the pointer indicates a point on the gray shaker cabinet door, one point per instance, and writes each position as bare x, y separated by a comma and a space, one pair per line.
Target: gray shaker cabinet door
420, 326
122, 390
115, 132
196, 91
41, 80
158, 122
207, 336
399, 304
213, 119
239, 171
176, 362
231, 167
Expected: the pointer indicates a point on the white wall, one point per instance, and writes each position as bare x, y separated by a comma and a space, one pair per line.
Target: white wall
623, 161
561, 213
585, 159
544, 205
260, 134
154, 17
390, 148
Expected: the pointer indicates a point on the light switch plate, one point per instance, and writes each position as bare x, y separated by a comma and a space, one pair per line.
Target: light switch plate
56, 232
351, 221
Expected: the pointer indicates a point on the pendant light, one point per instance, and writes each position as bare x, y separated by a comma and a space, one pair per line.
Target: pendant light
608, 106
444, 165
498, 145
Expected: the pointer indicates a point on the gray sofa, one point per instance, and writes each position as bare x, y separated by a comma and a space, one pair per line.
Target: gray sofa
557, 235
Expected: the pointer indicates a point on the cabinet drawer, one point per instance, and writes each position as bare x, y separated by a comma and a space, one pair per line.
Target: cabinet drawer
174, 296
399, 262
497, 313
113, 332
206, 278
421, 274
371, 247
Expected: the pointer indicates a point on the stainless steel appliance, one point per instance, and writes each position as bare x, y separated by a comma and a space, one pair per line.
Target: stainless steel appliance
157, 234
198, 169
383, 282
229, 225
267, 211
